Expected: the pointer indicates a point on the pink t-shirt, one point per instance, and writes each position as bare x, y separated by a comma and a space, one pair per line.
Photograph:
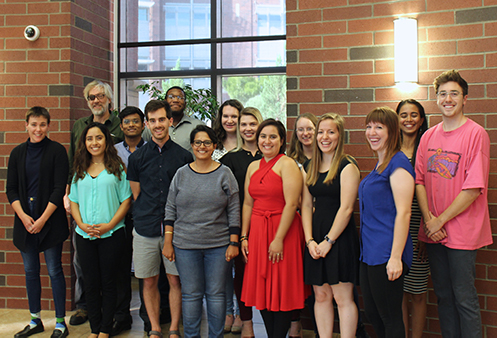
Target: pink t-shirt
446, 164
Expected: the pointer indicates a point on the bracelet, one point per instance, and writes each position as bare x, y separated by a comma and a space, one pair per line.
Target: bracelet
243, 238
232, 243
329, 240
309, 241
168, 232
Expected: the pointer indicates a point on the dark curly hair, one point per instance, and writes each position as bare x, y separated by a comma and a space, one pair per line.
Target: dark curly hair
82, 158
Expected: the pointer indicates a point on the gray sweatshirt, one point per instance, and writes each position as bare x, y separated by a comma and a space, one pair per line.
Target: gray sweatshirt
203, 208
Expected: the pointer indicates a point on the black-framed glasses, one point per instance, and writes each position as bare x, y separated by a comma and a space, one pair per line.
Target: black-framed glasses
98, 96
198, 143
172, 97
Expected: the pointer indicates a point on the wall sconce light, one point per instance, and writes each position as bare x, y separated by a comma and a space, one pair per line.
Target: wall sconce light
406, 49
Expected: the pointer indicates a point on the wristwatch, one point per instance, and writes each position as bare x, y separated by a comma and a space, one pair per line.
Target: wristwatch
329, 240
235, 244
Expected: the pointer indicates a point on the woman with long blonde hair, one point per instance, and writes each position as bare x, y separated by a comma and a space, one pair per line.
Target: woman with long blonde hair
331, 180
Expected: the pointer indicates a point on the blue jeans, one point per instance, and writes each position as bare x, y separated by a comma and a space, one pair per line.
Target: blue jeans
31, 259
453, 275
203, 273
53, 259
231, 306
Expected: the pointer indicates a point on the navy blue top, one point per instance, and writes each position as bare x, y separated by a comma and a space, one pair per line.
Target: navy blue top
154, 169
378, 214
33, 162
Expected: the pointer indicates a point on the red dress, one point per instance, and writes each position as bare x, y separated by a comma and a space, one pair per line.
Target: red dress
278, 286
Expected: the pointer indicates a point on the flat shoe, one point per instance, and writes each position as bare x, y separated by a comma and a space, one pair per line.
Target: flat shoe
59, 334
28, 331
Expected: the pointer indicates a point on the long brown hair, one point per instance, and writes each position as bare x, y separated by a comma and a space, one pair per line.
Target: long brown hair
217, 125
295, 149
82, 158
389, 119
317, 154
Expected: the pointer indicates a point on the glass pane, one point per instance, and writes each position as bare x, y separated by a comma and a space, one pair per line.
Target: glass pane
253, 18
265, 92
130, 95
160, 20
253, 54
181, 57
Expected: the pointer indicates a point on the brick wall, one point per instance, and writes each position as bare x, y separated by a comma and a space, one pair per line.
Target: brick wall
75, 46
340, 59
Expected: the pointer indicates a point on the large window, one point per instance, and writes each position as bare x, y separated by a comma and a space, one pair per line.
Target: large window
235, 47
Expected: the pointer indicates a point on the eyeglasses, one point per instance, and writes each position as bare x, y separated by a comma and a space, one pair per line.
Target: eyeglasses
453, 94
98, 96
198, 143
172, 97
129, 121
308, 129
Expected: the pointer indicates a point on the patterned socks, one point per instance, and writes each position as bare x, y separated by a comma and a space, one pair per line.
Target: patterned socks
60, 324
35, 320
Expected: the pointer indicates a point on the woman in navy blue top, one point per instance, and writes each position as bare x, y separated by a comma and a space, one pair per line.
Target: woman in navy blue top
385, 197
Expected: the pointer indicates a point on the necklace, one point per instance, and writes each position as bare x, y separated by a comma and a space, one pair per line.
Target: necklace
97, 162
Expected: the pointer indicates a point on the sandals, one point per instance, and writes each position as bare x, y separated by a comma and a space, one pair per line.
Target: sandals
159, 334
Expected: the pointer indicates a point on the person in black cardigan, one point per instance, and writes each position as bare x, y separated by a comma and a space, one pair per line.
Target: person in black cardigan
36, 181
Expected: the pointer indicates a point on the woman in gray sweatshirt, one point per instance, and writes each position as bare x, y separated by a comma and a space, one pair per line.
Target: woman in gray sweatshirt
202, 225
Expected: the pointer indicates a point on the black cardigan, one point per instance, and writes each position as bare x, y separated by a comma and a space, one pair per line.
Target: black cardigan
54, 169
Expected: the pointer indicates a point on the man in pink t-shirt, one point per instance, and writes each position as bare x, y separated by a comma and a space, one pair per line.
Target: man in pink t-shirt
452, 169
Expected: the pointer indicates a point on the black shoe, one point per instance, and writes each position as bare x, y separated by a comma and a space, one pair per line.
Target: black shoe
361, 331
120, 326
79, 317
28, 331
59, 334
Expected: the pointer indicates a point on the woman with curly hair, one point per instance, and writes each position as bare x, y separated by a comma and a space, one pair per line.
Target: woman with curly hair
100, 198
413, 124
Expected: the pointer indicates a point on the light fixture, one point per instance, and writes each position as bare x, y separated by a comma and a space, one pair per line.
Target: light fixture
406, 49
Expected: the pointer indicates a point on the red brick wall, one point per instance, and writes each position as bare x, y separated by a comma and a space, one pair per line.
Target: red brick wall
340, 59
75, 46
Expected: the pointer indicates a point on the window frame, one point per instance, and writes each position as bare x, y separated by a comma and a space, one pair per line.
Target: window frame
215, 73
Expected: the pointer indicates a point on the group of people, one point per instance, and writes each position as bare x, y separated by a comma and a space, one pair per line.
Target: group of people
192, 203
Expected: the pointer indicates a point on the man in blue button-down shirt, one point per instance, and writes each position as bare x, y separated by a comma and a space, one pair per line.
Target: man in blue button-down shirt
150, 172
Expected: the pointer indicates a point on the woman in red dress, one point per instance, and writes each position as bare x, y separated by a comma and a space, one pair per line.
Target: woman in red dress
272, 236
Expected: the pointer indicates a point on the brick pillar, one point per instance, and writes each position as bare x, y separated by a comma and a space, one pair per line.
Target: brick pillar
75, 46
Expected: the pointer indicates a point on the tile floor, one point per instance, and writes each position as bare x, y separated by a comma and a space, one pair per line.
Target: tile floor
12, 321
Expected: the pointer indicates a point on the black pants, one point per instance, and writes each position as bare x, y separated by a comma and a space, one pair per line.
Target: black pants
383, 300
277, 323
99, 263
123, 283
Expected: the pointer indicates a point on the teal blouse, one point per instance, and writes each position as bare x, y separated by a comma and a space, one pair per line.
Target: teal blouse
99, 198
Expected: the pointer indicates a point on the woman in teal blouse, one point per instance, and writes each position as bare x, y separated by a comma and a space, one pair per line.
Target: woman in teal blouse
100, 197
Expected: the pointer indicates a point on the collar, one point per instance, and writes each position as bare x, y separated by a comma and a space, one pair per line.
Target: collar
166, 145
184, 119
142, 142
107, 122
